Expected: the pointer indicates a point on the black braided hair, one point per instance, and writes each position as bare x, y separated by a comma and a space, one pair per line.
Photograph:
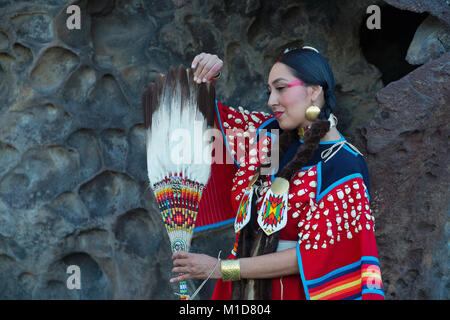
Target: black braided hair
313, 69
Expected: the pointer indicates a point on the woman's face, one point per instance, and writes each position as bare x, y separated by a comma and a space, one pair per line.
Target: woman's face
289, 103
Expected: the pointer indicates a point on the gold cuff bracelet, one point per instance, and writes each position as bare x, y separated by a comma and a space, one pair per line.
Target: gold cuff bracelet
231, 270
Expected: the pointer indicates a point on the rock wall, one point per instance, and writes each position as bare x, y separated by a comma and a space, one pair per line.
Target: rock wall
406, 145
73, 186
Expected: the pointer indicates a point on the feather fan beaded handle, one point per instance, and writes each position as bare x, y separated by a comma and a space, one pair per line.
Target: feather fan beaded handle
175, 106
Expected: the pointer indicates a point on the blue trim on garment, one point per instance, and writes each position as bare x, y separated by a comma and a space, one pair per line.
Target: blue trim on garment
345, 269
214, 225
335, 184
346, 147
319, 180
368, 195
302, 274
375, 291
264, 124
331, 275
272, 175
269, 134
224, 136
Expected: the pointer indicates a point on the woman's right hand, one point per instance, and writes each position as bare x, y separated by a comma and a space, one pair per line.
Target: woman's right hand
207, 66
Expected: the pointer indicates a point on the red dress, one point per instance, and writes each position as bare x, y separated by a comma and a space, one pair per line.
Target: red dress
329, 216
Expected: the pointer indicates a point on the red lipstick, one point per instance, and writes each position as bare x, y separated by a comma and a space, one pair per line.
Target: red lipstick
278, 114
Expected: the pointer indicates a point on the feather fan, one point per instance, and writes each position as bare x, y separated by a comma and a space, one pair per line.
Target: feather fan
177, 114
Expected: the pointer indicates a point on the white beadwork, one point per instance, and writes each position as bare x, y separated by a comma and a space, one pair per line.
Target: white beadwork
344, 204
254, 118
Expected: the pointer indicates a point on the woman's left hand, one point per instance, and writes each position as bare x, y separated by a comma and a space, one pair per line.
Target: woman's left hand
194, 266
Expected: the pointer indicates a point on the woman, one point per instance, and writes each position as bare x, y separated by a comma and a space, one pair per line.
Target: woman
304, 231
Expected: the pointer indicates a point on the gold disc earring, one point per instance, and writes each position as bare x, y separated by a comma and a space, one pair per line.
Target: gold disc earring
312, 113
